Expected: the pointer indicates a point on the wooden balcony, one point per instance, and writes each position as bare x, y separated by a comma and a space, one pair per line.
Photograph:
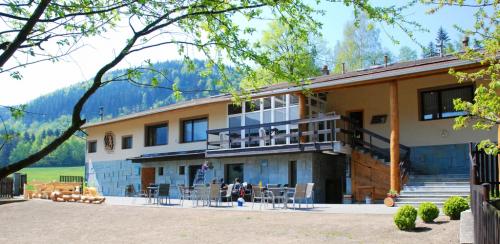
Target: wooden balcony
319, 134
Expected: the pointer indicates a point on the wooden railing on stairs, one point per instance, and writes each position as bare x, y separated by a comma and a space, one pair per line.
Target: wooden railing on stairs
372, 142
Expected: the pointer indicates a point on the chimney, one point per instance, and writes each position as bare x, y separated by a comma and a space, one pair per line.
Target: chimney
343, 68
325, 70
386, 60
441, 48
101, 113
465, 43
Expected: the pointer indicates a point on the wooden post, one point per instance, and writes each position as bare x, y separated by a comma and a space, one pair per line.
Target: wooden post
498, 155
302, 114
394, 145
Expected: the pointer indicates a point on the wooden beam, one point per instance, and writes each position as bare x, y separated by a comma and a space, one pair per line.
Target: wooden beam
394, 144
302, 114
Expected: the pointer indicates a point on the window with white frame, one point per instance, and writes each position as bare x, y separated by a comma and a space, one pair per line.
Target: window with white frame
267, 110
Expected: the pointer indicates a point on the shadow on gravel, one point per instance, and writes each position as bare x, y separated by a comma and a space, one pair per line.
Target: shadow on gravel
440, 222
7, 201
421, 229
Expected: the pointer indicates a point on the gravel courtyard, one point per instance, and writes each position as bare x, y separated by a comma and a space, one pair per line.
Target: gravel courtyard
41, 221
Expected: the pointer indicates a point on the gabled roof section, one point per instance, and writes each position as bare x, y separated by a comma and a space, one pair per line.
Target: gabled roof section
372, 74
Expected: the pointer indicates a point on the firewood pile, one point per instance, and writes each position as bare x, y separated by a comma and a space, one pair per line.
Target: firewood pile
62, 192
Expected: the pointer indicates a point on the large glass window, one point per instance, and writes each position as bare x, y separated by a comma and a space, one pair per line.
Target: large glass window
194, 130
92, 146
438, 104
234, 171
126, 142
157, 135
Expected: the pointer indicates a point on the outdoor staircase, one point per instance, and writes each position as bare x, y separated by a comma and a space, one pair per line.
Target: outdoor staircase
433, 188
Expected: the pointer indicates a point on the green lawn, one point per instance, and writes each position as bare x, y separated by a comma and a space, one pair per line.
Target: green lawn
49, 174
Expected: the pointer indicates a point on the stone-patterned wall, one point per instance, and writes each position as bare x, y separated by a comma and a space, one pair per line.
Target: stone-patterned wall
272, 169
112, 177
440, 159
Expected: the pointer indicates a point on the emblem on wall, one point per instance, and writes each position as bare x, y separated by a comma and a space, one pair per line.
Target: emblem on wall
109, 141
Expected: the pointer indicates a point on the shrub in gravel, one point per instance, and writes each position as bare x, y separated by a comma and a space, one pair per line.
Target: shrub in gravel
405, 217
454, 206
428, 212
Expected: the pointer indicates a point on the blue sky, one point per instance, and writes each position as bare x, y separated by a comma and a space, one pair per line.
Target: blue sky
46, 77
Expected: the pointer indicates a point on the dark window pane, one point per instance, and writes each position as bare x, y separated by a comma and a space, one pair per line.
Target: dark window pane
294, 100
430, 105
160, 171
254, 105
157, 135
188, 131
182, 170
234, 171
447, 97
233, 109
267, 103
161, 135
126, 142
279, 101
92, 147
200, 129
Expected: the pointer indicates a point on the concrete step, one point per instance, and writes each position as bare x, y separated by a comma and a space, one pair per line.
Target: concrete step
432, 194
417, 204
439, 183
421, 200
440, 177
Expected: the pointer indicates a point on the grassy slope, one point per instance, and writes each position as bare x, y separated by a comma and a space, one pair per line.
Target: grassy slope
48, 174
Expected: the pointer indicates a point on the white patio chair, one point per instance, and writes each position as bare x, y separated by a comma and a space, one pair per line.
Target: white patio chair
310, 194
228, 196
299, 194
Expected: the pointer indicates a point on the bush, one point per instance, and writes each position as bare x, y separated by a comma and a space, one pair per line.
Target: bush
405, 217
428, 212
454, 206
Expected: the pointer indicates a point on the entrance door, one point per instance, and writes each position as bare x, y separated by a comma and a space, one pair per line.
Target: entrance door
357, 118
193, 169
333, 190
147, 177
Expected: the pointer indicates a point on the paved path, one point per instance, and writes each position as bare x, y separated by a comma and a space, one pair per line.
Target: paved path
318, 208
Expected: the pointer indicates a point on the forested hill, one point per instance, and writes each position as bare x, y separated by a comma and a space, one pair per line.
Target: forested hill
122, 97
48, 115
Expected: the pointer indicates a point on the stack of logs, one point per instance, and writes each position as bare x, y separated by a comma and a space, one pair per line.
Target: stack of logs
89, 196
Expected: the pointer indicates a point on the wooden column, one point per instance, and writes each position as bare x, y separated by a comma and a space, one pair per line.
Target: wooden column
394, 145
302, 114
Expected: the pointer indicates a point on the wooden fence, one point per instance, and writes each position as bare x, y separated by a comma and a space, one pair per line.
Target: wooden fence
485, 184
72, 179
6, 187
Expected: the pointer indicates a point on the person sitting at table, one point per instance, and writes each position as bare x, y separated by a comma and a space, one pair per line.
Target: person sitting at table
223, 185
236, 188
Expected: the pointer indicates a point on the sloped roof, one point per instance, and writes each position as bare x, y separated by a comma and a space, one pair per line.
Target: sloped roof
382, 72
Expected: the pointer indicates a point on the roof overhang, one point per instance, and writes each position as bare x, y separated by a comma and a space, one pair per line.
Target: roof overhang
361, 77
156, 157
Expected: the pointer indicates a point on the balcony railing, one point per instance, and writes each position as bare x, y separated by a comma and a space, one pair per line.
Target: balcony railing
321, 129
